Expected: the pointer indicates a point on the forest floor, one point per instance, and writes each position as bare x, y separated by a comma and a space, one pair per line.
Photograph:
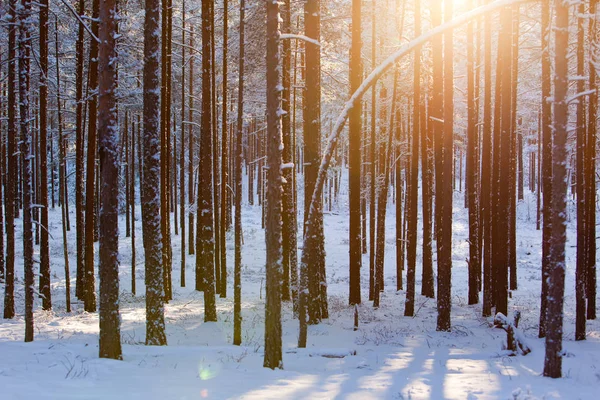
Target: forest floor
396, 357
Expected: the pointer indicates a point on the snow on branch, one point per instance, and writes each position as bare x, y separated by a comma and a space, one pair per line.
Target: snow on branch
299, 37
87, 28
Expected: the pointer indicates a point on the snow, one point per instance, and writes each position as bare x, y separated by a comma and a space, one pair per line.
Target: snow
389, 357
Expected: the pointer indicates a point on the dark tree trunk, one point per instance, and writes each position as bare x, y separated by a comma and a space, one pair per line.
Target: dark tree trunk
182, 151
287, 211
372, 158
11, 173
472, 174
191, 151
90, 184
446, 193
108, 132
205, 244
43, 154
237, 274
354, 158
546, 163
224, 164
582, 253
590, 166
273, 352
558, 238
79, 158
413, 186
317, 306
24, 52
151, 190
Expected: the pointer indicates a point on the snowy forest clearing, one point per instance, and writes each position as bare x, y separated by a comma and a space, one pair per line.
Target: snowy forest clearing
396, 357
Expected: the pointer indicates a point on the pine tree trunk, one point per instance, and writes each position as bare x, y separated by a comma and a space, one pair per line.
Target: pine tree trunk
273, 352
90, 185
11, 173
191, 151
108, 132
446, 193
287, 200
472, 174
151, 190
182, 151
546, 163
372, 158
237, 274
590, 166
43, 195
224, 163
354, 158
558, 238
23, 54
312, 143
205, 251
582, 262
79, 157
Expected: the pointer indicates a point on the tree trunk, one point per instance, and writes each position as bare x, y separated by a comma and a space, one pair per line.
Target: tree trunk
354, 158
445, 241
110, 321
151, 190
24, 52
546, 163
273, 356
205, 251
79, 157
90, 184
237, 275
558, 238
11, 173
224, 163
43, 171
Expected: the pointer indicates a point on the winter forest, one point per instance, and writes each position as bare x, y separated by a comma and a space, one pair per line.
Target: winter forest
299, 199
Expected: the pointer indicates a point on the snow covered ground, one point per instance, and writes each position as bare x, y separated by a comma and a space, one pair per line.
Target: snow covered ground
396, 357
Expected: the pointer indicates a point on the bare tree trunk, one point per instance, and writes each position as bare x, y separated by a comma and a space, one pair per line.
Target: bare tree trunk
43, 171
11, 173
90, 197
108, 131
582, 261
590, 165
151, 190
413, 187
205, 241
472, 176
273, 352
191, 150
445, 241
79, 158
224, 163
24, 52
558, 238
62, 176
237, 275
546, 163
372, 159
354, 158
